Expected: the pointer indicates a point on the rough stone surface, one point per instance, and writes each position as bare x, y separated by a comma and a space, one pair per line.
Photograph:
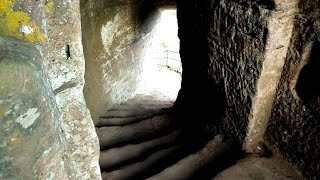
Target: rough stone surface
248, 73
22, 22
249, 67
65, 66
294, 123
32, 142
116, 35
54, 28
237, 42
280, 26
222, 51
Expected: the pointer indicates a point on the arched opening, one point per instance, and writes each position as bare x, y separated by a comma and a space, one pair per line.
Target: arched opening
132, 52
130, 48
162, 68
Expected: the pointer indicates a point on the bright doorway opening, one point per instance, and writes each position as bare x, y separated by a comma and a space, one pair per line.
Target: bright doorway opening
162, 70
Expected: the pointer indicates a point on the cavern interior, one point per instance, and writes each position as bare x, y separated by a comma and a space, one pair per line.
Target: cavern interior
116, 90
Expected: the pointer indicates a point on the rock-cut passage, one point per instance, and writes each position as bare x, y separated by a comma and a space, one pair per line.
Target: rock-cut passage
145, 139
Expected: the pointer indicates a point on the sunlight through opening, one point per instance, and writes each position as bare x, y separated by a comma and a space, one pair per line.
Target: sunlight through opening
162, 70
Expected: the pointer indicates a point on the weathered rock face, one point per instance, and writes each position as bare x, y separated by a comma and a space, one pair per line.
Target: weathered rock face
222, 50
248, 72
32, 142
116, 35
295, 119
65, 66
54, 28
253, 63
237, 42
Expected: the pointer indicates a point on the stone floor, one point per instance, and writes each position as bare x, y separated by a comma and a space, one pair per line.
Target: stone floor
142, 139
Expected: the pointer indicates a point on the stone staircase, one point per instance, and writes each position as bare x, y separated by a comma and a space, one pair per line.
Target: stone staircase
143, 139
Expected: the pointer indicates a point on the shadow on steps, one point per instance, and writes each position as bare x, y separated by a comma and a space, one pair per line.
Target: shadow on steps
140, 140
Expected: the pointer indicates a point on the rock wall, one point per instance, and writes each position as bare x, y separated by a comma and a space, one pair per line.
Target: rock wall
32, 144
116, 35
54, 29
295, 121
222, 50
249, 68
237, 42
65, 65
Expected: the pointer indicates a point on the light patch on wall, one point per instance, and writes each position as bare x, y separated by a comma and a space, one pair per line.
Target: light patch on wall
116, 33
107, 33
61, 75
26, 29
17, 24
46, 152
27, 119
280, 26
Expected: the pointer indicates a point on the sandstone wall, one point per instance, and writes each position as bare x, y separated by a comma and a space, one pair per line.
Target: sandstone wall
116, 35
249, 68
237, 42
222, 50
54, 29
65, 65
32, 143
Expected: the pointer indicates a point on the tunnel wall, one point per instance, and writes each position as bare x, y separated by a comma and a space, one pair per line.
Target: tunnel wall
116, 35
31, 139
47, 68
295, 119
222, 48
237, 42
248, 69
